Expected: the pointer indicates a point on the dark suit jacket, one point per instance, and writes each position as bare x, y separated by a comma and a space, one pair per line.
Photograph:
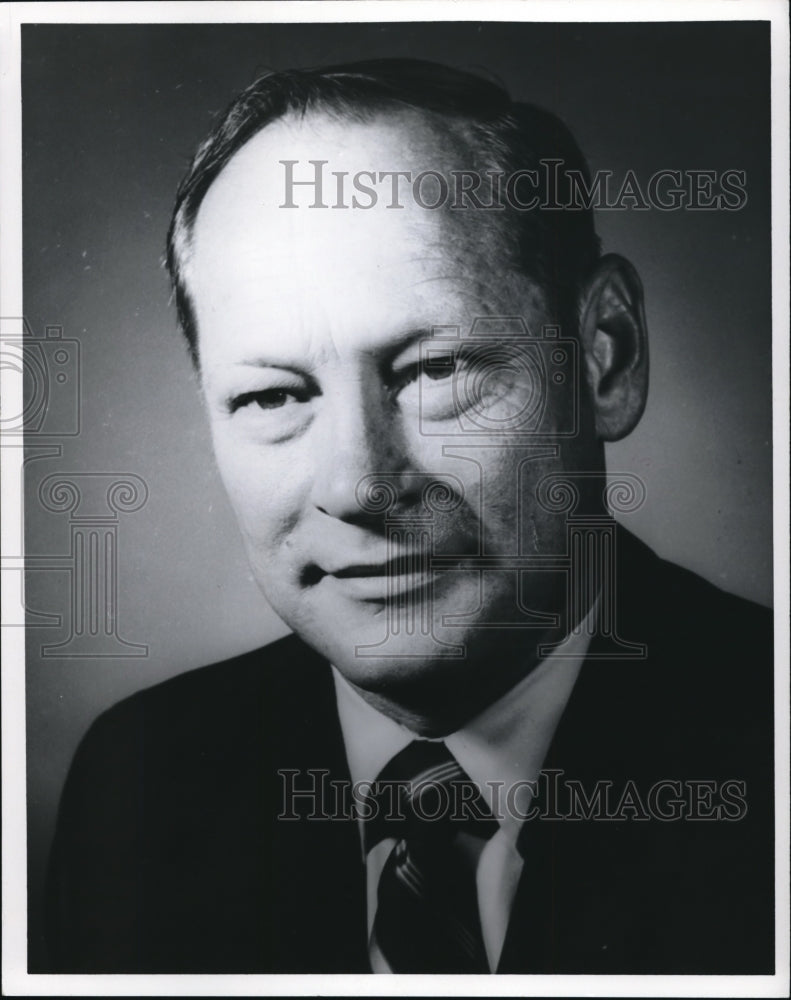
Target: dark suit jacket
169, 856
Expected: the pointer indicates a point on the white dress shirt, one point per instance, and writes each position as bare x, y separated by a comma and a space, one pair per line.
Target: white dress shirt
506, 743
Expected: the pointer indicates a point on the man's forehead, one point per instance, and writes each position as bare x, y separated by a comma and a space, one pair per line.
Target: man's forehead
361, 275
304, 179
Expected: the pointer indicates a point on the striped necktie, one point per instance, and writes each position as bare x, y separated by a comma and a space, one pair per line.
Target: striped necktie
427, 907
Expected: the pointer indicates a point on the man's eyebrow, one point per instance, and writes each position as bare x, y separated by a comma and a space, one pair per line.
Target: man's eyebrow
387, 351
264, 362
415, 336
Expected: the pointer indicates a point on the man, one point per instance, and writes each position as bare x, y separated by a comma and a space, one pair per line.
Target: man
505, 736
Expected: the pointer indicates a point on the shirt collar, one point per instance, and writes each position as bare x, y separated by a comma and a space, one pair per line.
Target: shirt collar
506, 743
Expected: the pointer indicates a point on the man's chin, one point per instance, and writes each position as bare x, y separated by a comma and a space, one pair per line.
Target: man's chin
430, 688
378, 652
405, 649
422, 673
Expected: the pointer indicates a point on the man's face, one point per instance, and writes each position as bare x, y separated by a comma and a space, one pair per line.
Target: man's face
310, 327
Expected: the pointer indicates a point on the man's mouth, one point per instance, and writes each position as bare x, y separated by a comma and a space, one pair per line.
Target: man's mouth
400, 576
397, 566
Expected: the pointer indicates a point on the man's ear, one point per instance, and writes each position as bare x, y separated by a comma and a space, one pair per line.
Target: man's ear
615, 346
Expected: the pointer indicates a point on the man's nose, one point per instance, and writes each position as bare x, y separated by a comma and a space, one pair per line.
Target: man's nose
360, 436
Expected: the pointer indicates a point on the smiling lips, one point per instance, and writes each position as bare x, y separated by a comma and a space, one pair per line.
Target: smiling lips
396, 577
404, 574
409, 563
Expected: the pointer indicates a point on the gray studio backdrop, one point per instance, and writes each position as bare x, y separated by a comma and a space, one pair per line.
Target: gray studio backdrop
111, 115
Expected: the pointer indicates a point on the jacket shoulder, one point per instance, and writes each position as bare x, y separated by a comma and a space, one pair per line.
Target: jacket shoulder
218, 700
685, 616
169, 802
698, 686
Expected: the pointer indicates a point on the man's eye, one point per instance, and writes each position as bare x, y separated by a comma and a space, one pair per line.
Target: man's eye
436, 368
440, 367
267, 399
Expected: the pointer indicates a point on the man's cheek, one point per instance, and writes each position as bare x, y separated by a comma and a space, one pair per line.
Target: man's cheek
258, 480
268, 525
266, 515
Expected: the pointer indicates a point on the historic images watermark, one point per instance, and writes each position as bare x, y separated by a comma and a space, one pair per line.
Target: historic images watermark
550, 186
94, 503
309, 794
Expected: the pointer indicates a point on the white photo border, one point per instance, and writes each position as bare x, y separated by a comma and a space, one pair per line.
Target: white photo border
16, 980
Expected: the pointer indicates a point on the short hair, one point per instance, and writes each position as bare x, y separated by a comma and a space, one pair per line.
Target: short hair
555, 247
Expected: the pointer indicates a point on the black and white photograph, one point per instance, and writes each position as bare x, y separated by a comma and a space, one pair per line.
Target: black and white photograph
395, 488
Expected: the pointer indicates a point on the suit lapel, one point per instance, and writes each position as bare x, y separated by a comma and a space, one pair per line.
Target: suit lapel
570, 912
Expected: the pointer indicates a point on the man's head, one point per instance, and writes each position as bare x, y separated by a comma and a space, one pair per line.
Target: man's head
338, 402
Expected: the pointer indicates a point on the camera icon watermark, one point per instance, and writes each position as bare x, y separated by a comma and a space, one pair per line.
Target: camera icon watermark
51, 380
503, 379
42, 382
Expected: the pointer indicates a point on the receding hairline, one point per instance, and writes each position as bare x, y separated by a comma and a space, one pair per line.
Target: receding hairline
469, 111
451, 144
